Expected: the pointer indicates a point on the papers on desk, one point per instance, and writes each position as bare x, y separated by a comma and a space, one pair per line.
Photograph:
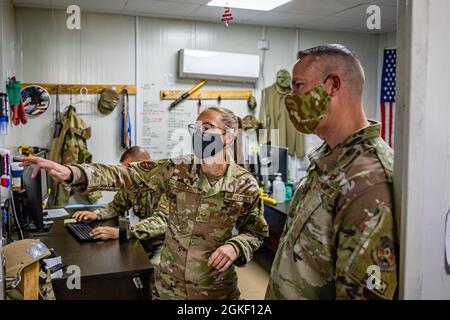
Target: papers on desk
51, 262
56, 213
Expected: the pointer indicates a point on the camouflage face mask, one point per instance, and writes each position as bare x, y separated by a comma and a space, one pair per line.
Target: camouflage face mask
308, 109
206, 145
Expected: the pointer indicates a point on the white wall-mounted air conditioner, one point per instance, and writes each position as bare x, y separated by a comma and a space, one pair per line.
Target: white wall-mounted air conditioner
222, 66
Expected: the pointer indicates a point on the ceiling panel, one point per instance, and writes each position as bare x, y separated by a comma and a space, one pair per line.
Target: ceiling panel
348, 24
386, 3
166, 8
283, 19
99, 5
387, 13
32, 2
215, 13
199, 2
317, 7
348, 15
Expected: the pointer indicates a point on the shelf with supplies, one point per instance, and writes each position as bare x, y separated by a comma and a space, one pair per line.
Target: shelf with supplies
82, 88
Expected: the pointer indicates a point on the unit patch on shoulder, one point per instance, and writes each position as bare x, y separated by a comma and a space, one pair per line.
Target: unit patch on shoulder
146, 165
384, 254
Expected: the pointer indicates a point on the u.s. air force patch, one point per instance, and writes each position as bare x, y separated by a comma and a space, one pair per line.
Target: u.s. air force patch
384, 254
146, 165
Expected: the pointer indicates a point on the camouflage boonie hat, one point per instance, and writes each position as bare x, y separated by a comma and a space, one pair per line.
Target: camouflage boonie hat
108, 101
250, 122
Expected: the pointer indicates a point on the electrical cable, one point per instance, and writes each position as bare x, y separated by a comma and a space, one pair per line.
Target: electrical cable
16, 219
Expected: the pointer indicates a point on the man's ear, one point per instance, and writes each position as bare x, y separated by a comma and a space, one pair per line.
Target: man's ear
335, 82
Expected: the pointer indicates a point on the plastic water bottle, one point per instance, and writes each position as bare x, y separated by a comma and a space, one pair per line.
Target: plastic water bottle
279, 189
289, 188
4, 112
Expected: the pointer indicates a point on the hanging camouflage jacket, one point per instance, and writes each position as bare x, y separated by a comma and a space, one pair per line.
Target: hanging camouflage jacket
201, 219
70, 148
339, 241
280, 130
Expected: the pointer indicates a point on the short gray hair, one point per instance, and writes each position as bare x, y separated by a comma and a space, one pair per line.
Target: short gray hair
339, 58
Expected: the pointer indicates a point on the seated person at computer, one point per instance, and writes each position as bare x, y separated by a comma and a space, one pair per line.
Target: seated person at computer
152, 225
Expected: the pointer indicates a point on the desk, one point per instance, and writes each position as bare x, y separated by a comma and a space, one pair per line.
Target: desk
276, 217
107, 267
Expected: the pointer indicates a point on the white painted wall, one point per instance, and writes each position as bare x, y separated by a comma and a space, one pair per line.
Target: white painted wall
422, 154
101, 52
104, 51
8, 40
7, 58
160, 40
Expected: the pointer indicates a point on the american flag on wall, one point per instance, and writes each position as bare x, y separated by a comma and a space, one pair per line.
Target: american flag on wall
388, 91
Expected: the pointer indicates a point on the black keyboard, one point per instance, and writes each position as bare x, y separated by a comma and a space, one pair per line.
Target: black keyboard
81, 231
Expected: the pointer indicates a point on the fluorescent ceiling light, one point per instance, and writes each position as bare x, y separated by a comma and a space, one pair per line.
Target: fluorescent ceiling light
264, 5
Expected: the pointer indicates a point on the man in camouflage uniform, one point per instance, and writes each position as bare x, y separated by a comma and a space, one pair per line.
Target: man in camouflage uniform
152, 225
203, 211
339, 241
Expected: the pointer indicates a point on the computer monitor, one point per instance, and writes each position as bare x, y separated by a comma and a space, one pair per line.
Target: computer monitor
33, 199
273, 160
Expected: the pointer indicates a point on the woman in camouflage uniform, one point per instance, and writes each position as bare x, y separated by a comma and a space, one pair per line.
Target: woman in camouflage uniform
208, 194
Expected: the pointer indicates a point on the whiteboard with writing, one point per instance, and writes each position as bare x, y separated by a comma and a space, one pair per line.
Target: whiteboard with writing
162, 132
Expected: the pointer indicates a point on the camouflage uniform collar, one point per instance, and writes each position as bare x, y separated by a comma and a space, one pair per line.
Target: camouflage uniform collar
327, 159
373, 130
223, 184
